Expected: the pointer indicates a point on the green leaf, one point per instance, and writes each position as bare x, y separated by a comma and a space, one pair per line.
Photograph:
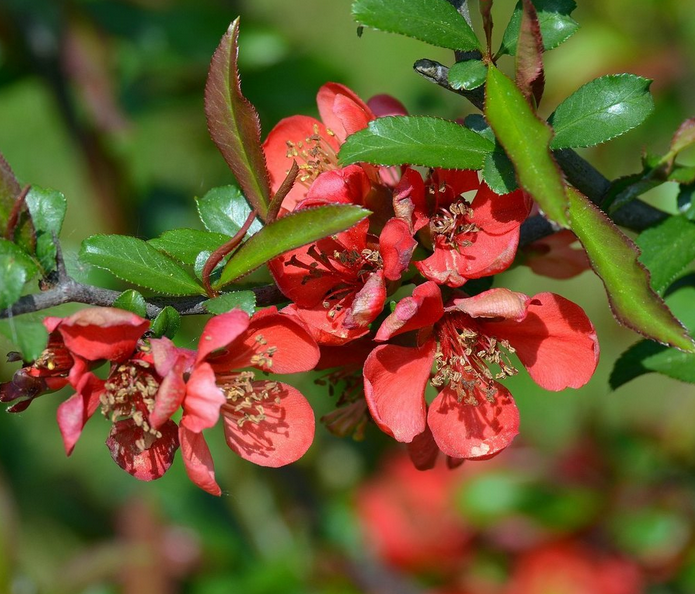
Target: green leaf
554, 18
225, 210
498, 172
602, 109
243, 300
234, 124
167, 323
667, 250
12, 278
433, 21
184, 245
133, 301
613, 257
647, 356
686, 204
430, 142
467, 75
47, 209
30, 336
9, 190
133, 260
525, 139
12, 250
287, 233
477, 123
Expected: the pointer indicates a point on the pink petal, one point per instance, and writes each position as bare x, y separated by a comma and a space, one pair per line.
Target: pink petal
368, 302
144, 465
282, 437
468, 431
73, 413
102, 333
221, 331
201, 406
395, 379
165, 355
556, 342
198, 461
170, 395
396, 246
342, 110
420, 310
494, 303
385, 105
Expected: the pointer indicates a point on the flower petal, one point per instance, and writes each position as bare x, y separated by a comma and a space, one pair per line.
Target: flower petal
554, 256
396, 246
368, 302
395, 379
284, 434
386, 105
198, 461
464, 430
102, 333
423, 450
556, 342
499, 214
201, 406
73, 413
324, 329
221, 331
409, 200
347, 185
144, 465
494, 303
423, 308
342, 110
170, 395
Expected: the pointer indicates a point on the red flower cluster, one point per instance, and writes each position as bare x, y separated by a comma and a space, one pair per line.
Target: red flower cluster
149, 380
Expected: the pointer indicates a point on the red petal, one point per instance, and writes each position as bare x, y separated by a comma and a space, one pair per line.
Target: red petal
324, 329
149, 464
368, 302
458, 181
73, 414
347, 185
494, 303
165, 355
443, 267
201, 406
102, 333
396, 246
554, 256
221, 331
420, 310
423, 450
409, 202
353, 354
498, 214
198, 461
385, 105
467, 431
170, 395
342, 110
282, 438
395, 379
556, 342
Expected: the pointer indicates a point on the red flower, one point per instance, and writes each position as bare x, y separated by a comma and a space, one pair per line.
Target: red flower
266, 422
470, 239
473, 416
555, 257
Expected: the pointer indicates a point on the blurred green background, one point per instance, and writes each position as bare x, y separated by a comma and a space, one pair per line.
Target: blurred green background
103, 100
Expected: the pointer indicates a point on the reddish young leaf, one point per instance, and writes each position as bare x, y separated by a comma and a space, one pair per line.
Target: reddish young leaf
486, 13
529, 55
234, 124
9, 190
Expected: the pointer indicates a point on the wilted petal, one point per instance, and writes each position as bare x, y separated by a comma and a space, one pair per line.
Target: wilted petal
198, 461
395, 378
494, 303
423, 308
409, 200
368, 302
148, 464
471, 431
282, 436
396, 246
556, 342
444, 267
102, 333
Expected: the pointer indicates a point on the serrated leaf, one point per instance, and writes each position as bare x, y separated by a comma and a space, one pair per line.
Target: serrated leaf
498, 172
600, 110
647, 356
467, 75
132, 301
234, 124
12, 278
477, 123
433, 21
555, 23
47, 210
184, 245
7, 248
416, 140
133, 260
287, 233
29, 336
167, 323
667, 250
613, 257
243, 300
9, 190
225, 210
525, 139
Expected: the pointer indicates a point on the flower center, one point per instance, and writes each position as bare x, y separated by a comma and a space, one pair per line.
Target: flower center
451, 222
129, 393
246, 398
463, 356
314, 155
